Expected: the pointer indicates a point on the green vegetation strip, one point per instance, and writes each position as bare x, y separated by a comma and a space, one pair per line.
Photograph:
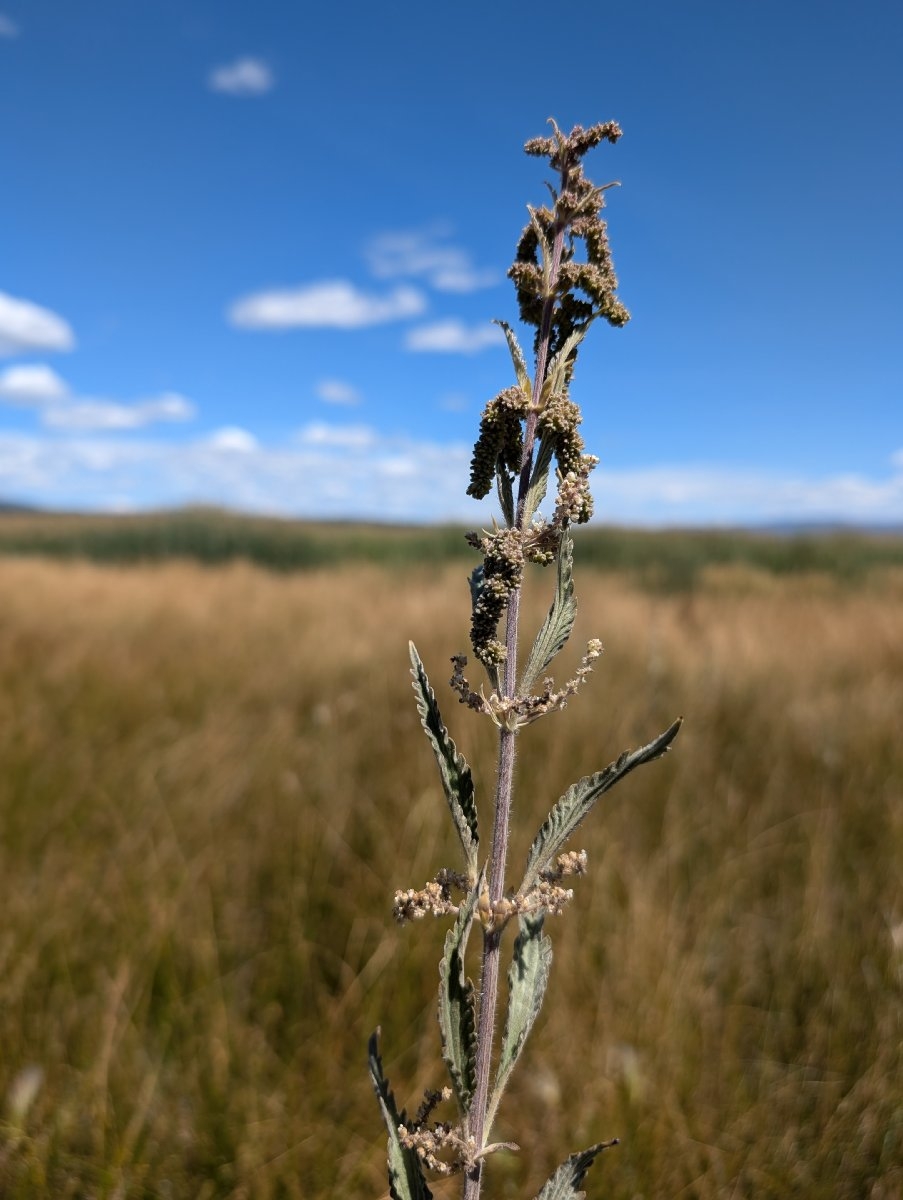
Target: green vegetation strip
669, 560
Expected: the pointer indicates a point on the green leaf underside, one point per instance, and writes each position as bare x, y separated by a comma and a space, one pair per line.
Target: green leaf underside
565, 1183
457, 780
559, 622
406, 1181
554, 380
577, 802
517, 358
539, 479
457, 1007
528, 977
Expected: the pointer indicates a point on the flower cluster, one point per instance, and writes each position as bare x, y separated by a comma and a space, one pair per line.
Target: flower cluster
582, 290
516, 712
412, 904
500, 441
503, 570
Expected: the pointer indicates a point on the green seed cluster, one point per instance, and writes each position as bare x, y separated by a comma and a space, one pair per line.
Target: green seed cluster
559, 420
503, 570
500, 441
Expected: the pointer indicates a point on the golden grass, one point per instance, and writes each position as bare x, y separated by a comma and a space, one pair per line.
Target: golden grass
211, 782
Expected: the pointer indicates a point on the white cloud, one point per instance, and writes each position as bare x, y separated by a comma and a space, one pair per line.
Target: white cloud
26, 327
322, 474
453, 337
343, 437
331, 304
337, 391
356, 471
32, 384
95, 415
244, 77
8, 27
234, 440
39, 386
422, 254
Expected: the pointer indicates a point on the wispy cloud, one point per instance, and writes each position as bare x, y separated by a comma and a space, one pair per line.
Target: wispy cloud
244, 77
8, 27
337, 391
357, 471
330, 304
323, 472
453, 337
341, 437
425, 254
26, 327
233, 440
38, 386
97, 415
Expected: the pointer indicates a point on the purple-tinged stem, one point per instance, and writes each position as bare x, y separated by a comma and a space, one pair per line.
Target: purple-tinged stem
492, 940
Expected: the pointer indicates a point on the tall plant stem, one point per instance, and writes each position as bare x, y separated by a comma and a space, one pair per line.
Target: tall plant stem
492, 939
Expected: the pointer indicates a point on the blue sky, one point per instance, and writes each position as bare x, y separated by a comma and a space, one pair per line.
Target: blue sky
250, 253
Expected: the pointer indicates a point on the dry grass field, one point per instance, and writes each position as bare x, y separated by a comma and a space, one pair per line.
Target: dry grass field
213, 779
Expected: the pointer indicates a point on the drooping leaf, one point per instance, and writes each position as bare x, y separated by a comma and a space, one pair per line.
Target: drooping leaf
457, 780
559, 621
565, 1183
457, 1006
406, 1181
578, 800
517, 358
528, 977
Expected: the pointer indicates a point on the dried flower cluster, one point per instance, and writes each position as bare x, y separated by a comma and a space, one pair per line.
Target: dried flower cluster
524, 430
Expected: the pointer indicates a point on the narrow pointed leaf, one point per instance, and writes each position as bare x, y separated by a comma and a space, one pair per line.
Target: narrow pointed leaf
554, 380
578, 800
457, 780
559, 622
565, 1183
457, 1007
406, 1181
539, 479
517, 358
528, 977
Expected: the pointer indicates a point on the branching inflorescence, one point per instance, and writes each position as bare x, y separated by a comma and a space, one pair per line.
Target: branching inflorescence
565, 280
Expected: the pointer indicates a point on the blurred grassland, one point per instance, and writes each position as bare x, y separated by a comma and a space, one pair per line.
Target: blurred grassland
667, 560
213, 779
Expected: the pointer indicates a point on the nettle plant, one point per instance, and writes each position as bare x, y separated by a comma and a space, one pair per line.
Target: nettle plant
565, 281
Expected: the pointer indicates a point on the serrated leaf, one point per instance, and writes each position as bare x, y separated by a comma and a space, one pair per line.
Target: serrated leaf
559, 621
457, 1006
517, 358
565, 1183
539, 479
528, 977
576, 803
457, 780
555, 375
406, 1181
